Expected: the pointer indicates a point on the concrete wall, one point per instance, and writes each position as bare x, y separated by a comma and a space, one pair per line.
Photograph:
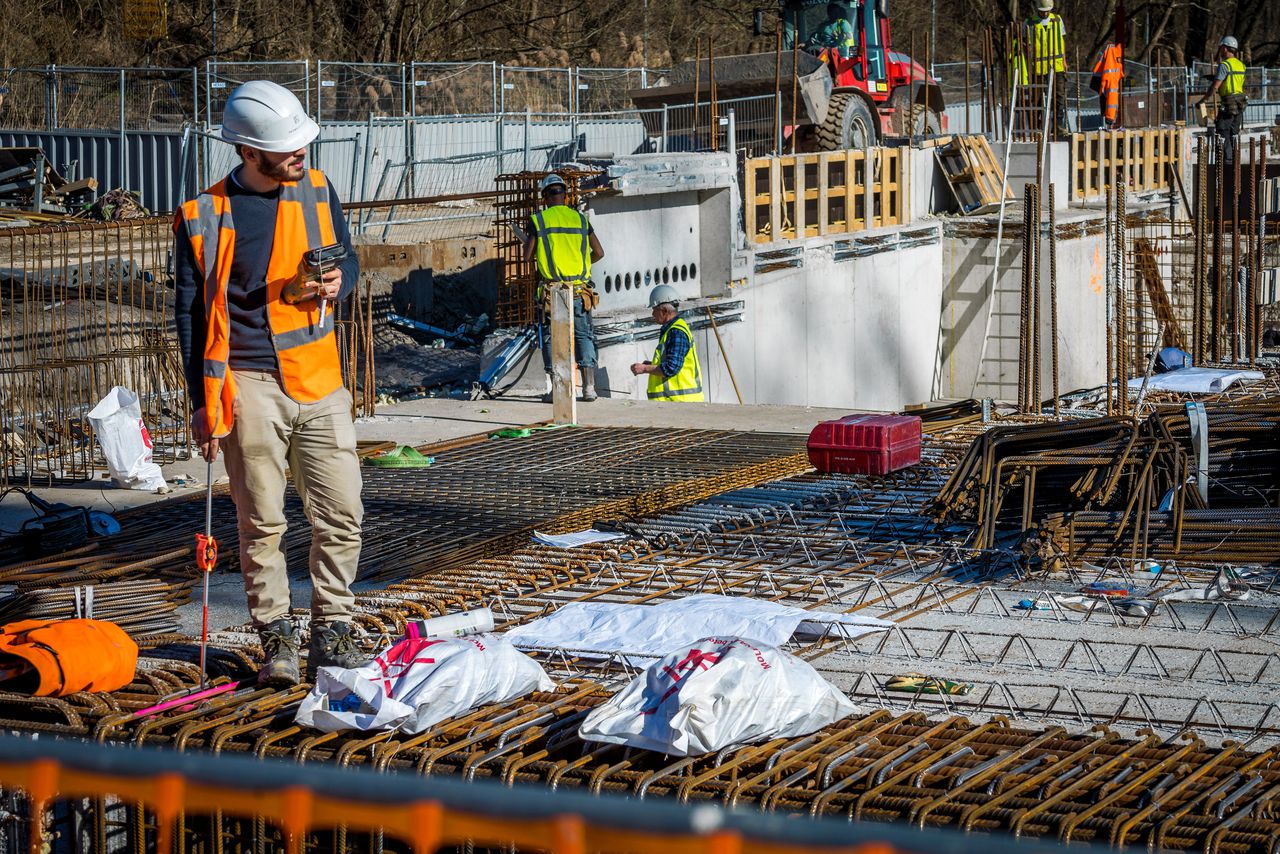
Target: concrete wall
973, 365
856, 333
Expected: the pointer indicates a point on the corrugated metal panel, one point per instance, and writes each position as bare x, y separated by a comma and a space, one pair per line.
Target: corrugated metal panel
153, 162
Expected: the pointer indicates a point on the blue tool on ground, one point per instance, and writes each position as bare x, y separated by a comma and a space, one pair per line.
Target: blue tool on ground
59, 527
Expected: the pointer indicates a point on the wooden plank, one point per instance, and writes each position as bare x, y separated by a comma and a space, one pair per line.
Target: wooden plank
563, 401
905, 166
750, 201
824, 163
851, 190
798, 196
775, 200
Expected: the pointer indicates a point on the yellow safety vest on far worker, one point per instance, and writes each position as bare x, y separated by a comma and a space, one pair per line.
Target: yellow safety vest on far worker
1233, 84
686, 385
1047, 42
306, 348
563, 247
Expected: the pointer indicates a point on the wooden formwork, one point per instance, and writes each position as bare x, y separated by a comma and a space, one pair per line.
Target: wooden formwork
1144, 157
814, 195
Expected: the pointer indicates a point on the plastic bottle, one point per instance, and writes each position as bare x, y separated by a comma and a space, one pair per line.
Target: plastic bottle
456, 625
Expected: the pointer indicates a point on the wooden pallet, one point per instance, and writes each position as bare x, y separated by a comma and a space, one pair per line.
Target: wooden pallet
1142, 157
973, 172
815, 195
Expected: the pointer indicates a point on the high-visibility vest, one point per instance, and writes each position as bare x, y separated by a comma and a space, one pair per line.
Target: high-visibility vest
1233, 83
839, 34
1047, 43
1110, 68
686, 385
563, 247
67, 656
306, 349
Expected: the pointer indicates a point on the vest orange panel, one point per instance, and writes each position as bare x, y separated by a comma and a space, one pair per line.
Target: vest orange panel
306, 350
72, 655
1110, 68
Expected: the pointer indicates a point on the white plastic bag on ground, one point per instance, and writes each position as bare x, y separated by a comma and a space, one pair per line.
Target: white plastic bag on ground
125, 442
419, 682
716, 692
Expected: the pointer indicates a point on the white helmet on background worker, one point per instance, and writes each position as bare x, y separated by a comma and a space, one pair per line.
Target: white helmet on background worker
1044, 5
267, 116
1229, 42
664, 294
551, 181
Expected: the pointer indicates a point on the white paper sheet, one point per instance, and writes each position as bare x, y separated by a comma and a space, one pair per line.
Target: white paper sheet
577, 538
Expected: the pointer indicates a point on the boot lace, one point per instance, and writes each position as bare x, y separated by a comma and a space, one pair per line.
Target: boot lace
274, 643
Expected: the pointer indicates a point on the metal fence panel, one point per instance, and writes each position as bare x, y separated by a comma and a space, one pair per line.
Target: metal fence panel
221, 78
539, 90
352, 91
453, 88
601, 90
159, 98
26, 98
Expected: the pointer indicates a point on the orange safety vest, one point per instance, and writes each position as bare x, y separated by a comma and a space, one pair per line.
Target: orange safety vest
306, 350
1110, 68
68, 656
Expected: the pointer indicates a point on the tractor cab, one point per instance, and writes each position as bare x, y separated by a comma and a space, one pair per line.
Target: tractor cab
851, 36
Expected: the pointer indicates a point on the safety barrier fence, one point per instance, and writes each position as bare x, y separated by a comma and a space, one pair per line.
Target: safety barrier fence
813, 195
1145, 159
425, 813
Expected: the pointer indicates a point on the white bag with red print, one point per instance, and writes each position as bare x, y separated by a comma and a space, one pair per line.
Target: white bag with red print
125, 442
715, 693
419, 682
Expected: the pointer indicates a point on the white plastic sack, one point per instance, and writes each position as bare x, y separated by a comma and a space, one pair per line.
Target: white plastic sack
653, 630
716, 692
419, 682
125, 442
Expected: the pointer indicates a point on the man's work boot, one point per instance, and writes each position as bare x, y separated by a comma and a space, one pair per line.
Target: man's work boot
588, 384
280, 651
333, 646
546, 395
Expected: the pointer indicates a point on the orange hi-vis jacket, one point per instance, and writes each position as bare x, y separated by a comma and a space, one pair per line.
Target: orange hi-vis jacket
306, 349
1110, 69
68, 656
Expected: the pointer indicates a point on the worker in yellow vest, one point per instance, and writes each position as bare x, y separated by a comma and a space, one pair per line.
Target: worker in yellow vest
1045, 40
256, 332
1228, 85
674, 372
564, 245
836, 33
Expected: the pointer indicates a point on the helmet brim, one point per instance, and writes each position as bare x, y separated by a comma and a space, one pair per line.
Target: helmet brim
301, 136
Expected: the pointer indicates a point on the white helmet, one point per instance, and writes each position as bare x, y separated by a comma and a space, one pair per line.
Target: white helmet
1044, 6
267, 116
552, 181
1229, 42
663, 293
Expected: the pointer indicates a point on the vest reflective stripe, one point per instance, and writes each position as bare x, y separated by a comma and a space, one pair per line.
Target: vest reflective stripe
563, 249
306, 350
1048, 45
687, 383
1111, 69
1233, 84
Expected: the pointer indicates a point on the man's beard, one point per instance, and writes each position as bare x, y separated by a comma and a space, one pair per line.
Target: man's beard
281, 171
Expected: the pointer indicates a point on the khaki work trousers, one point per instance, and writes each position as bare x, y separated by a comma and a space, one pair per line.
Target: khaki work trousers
316, 442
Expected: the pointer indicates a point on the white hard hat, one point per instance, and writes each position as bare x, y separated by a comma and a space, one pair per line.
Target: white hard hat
552, 180
1229, 42
661, 294
1044, 6
267, 116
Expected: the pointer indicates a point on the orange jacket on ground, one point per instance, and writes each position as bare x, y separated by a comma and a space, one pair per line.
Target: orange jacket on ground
72, 655
1110, 68
306, 349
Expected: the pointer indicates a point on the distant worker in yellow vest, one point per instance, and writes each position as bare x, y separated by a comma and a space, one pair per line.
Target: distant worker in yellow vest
674, 373
564, 245
1045, 39
836, 33
1228, 85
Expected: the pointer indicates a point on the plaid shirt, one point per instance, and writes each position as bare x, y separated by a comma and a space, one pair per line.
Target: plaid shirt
677, 349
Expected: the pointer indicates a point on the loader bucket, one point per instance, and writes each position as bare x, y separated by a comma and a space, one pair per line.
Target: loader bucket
743, 76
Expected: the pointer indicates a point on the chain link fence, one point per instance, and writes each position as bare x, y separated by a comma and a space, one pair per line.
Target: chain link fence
352, 91
221, 79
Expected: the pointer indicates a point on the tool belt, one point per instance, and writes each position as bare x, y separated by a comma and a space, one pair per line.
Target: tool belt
585, 290
1234, 105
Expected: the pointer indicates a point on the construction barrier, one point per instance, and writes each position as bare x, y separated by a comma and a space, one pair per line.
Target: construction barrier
1145, 159
427, 813
815, 195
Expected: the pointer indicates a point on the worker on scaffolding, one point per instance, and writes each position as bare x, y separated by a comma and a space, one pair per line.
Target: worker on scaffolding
564, 245
1045, 40
256, 331
674, 374
836, 33
1228, 85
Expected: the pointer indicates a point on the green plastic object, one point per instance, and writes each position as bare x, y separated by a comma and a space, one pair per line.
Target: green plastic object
525, 432
401, 457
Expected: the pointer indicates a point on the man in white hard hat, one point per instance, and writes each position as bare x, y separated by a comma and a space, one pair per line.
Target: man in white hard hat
563, 244
255, 325
674, 373
1045, 38
1228, 85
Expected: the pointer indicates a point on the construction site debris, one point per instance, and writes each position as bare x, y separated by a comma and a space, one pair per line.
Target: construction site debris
576, 538
714, 693
1195, 380
114, 206
971, 169
122, 435
28, 181
474, 622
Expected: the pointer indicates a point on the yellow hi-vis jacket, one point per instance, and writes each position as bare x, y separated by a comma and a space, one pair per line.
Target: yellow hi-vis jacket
563, 246
686, 385
1233, 83
306, 349
1046, 41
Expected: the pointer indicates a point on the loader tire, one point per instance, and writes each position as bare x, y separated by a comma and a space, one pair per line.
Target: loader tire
849, 124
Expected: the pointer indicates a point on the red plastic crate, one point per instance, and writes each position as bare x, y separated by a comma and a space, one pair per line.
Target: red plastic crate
865, 444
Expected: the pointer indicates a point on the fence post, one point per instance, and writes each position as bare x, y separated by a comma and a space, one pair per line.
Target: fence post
665, 119
319, 83
495, 85
195, 94
306, 75
777, 123
51, 97
124, 140
528, 122
731, 137
208, 95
